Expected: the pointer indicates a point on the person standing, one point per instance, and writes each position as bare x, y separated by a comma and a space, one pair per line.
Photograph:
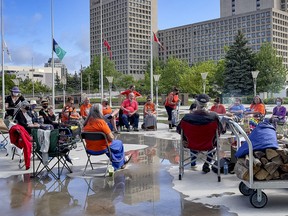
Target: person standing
13, 102
131, 90
170, 104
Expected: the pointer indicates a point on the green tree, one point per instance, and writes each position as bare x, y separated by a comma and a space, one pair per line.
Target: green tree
240, 61
272, 73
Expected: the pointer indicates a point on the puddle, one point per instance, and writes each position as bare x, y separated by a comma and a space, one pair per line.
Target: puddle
144, 188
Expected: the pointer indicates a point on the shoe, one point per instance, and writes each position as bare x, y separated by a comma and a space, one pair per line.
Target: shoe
116, 132
127, 160
68, 159
136, 129
194, 167
128, 130
206, 168
174, 125
110, 117
170, 126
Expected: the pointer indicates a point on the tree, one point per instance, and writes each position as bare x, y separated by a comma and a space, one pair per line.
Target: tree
239, 62
272, 73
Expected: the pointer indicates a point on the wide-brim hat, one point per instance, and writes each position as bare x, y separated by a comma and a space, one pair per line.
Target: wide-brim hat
15, 89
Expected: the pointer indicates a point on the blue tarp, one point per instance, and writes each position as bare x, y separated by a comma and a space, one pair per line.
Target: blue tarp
262, 137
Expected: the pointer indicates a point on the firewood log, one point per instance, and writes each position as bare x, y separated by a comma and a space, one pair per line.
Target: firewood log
271, 167
261, 175
270, 153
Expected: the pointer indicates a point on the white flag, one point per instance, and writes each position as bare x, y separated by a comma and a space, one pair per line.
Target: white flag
7, 50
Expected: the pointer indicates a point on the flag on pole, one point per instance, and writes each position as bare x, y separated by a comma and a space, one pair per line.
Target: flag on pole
107, 45
157, 41
7, 50
58, 50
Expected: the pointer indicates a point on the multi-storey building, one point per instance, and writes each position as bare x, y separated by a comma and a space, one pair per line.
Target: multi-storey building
126, 25
260, 21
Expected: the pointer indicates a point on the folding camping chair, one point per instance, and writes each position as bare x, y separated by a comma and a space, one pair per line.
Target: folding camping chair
95, 136
201, 139
56, 150
4, 131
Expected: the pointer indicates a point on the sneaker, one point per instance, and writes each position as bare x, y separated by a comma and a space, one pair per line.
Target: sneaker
136, 129
170, 126
193, 167
127, 160
128, 129
206, 168
116, 132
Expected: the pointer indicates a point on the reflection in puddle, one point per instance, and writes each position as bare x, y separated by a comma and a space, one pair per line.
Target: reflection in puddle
144, 188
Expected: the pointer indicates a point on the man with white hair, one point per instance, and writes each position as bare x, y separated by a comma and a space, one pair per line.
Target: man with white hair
130, 108
201, 116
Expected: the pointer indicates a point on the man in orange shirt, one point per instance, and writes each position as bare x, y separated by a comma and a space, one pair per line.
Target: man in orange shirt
109, 115
85, 107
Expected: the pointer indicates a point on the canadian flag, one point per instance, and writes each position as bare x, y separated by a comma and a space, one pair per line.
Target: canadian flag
157, 41
107, 45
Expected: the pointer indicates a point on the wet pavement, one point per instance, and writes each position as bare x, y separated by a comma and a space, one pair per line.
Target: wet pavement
145, 187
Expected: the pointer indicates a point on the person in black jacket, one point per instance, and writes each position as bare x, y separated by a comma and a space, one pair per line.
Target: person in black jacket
48, 115
13, 102
24, 118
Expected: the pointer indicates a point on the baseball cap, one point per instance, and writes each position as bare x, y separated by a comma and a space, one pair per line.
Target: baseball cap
203, 98
32, 102
44, 102
15, 89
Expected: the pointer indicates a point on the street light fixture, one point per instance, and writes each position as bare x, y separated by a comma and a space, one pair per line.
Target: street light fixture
156, 79
254, 75
110, 80
204, 76
64, 82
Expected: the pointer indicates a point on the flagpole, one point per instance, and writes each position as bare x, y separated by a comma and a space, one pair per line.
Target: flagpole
101, 56
151, 64
81, 84
52, 60
3, 73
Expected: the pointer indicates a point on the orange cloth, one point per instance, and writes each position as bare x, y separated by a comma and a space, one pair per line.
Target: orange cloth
128, 91
71, 112
220, 109
97, 125
84, 109
258, 108
106, 110
171, 98
149, 107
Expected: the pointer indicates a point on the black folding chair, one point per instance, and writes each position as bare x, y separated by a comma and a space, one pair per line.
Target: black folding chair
94, 136
57, 150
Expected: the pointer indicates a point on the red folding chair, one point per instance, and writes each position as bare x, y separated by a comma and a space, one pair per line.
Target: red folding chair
202, 139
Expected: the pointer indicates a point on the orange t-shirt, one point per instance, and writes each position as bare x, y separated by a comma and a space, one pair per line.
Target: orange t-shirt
84, 109
258, 108
220, 109
106, 110
97, 125
150, 107
173, 98
68, 110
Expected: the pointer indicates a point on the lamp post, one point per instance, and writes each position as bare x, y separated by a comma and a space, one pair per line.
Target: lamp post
64, 82
254, 75
110, 80
204, 76
156, 79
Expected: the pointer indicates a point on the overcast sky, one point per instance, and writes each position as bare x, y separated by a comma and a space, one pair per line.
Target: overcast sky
27, 27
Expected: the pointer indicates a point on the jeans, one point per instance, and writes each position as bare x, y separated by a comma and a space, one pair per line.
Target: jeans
134, 118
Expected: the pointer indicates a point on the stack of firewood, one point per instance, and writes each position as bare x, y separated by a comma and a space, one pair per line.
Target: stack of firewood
267, 165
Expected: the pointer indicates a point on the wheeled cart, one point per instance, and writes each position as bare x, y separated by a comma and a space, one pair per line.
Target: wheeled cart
253, 188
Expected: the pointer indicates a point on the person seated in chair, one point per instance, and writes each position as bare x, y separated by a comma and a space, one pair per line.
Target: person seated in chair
236, 110
130, 108
110, 115
69, 112
218, 107
85, 107
48, 116
279, 113
95, 122
24, 117
201, 116
149, 114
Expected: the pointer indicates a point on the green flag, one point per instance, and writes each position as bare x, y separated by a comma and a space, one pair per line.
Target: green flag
58, 50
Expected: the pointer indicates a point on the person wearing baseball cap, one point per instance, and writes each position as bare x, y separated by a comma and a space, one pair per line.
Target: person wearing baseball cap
13, 102
201, 116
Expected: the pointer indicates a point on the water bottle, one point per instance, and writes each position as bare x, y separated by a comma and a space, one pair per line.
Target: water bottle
225, 167
111, 170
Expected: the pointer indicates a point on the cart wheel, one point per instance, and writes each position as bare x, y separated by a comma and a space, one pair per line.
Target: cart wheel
180, 177
254, 202
246, 191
